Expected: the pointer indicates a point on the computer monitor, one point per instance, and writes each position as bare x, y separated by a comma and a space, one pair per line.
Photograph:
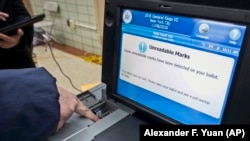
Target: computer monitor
181, 63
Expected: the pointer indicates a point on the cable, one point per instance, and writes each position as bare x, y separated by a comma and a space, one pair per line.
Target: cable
52, 27
53, 56
46, 40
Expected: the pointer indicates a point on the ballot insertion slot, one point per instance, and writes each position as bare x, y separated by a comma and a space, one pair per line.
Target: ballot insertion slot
101, 108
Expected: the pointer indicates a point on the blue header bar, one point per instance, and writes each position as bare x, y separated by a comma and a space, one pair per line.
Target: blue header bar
184, 30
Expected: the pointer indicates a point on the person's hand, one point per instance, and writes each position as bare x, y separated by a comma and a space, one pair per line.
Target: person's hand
3, 16
69, 104
10, 41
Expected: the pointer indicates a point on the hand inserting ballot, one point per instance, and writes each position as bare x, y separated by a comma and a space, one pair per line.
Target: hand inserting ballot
69, 104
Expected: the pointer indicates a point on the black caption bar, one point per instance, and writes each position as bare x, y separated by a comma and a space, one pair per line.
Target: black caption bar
225, 132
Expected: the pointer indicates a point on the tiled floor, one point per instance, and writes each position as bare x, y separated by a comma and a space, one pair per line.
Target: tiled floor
79, 71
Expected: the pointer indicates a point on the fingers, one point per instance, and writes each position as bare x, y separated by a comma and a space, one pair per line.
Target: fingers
5, 41
3, 16
76, 105
69, 104
10, 41
83, 110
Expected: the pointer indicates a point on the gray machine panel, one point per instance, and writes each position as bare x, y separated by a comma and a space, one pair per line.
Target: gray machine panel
79, 128
88, 134
72, 126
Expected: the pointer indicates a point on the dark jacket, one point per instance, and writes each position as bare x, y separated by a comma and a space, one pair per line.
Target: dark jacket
19, 56
29, 104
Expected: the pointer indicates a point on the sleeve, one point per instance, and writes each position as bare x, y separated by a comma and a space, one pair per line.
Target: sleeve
29, 104
19, 12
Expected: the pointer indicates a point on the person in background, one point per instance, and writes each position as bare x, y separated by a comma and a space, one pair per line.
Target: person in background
15, 48
33, 107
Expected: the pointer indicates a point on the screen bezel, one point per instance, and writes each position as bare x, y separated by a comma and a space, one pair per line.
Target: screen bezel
213, 13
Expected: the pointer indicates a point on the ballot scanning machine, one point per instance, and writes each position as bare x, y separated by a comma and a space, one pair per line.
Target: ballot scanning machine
167, 63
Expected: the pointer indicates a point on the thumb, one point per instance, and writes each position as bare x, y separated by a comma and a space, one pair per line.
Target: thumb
20, 32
